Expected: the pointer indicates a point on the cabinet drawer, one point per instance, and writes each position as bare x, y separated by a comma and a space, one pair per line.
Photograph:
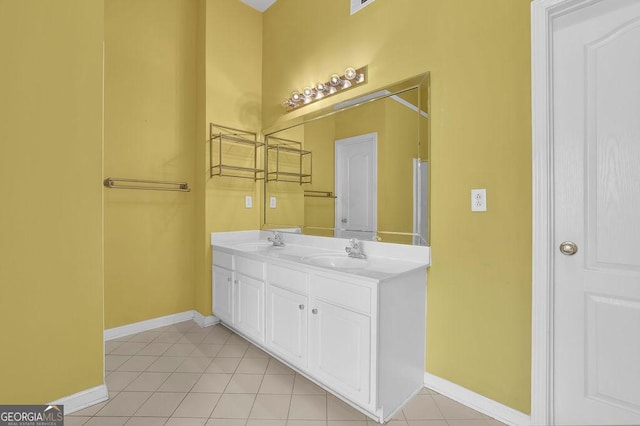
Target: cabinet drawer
249, 267
288, 278
223, 259
342, 293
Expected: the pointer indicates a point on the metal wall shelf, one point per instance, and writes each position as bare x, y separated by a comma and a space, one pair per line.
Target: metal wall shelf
223, 137
278, 151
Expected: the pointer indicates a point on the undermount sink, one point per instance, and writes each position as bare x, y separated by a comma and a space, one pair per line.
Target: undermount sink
336, 260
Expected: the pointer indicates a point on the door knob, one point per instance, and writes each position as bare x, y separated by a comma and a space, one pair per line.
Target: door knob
568, 248
301, 307
314, 311
344, 220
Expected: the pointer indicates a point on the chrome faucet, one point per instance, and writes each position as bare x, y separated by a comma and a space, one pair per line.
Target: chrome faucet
355, 249
276, 239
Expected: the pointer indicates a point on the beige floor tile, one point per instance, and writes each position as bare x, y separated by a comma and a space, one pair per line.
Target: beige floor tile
223, 365
145, 337
427, 391
422, 407
112, 362
111, 345
168, 337
252, 366
338, 410
234, 406
146, 421
197, 405
226, 422
494, 422
194, 365
89, 411
166, 364
180, 349
118, 380
155, 349
467, 422
271, 407
183, 326
124, 404
393, 423
306, 423
348, 423
263, 422
137, 363
304, 386
276, 367
179, 382
208, 350
212, 383
308, 407
277, 384
454, 410
160, 404
183, 421
147, 381
235, 339
75, 420
244, 383
194, 338
106, 421
128, 348
232, 351
427, 423
255, 352
216, 338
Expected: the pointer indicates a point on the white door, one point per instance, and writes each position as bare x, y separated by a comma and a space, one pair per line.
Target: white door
339, 349
249, 309
356, 187
596, 132
287, 324
223, 294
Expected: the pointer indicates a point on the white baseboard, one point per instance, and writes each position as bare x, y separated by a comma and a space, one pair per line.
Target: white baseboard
150, 324
476, 401
84, 399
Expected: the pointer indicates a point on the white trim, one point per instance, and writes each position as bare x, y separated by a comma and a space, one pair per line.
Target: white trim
83, 399
379, 94
476, 401
150, 324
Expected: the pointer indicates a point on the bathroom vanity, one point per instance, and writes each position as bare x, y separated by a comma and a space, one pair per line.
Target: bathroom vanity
353, 325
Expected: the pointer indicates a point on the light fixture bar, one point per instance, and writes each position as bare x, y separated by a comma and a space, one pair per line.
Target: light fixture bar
337, 83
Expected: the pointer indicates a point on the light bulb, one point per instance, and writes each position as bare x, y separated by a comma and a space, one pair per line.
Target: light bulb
335, 80
350, 73
307, 92
296, 96
321, 87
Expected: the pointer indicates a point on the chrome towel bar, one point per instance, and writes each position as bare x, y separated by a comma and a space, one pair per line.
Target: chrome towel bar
149, 185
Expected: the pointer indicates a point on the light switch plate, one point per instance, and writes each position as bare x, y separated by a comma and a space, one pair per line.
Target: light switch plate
248, 201
479, 200
272, 202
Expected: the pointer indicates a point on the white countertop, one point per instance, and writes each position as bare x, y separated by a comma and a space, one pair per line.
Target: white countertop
384, 260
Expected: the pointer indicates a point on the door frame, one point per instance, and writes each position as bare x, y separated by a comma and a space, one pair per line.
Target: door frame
543, 12
338, 192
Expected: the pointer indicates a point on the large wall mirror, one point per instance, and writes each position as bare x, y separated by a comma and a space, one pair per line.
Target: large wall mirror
356, 169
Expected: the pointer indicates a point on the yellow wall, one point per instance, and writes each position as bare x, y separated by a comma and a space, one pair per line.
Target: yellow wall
150, 133
232, 81
51, 210
479, 294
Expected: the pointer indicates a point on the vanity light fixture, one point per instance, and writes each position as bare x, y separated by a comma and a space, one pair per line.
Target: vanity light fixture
352, 77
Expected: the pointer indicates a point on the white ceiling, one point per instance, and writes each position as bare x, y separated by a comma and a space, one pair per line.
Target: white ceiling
260, 5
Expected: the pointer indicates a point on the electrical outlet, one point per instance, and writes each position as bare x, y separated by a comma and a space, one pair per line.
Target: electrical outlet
479, 200
248, 202
272, 202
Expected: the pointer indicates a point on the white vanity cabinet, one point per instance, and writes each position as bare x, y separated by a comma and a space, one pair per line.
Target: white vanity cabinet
360, 335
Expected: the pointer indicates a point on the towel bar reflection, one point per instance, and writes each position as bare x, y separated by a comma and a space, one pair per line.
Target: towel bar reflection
319, 194
148, 185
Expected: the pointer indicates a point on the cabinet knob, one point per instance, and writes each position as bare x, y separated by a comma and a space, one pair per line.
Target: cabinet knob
301, 307
228, 279
235, 281
314, 311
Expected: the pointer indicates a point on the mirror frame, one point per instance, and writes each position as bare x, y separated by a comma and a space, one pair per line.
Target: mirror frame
421, 82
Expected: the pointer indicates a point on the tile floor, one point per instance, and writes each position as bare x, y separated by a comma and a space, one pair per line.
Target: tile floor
184, 375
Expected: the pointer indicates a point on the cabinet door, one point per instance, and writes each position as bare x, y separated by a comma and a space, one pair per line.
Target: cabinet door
287, 324
340, 349
223, 294
249, 307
